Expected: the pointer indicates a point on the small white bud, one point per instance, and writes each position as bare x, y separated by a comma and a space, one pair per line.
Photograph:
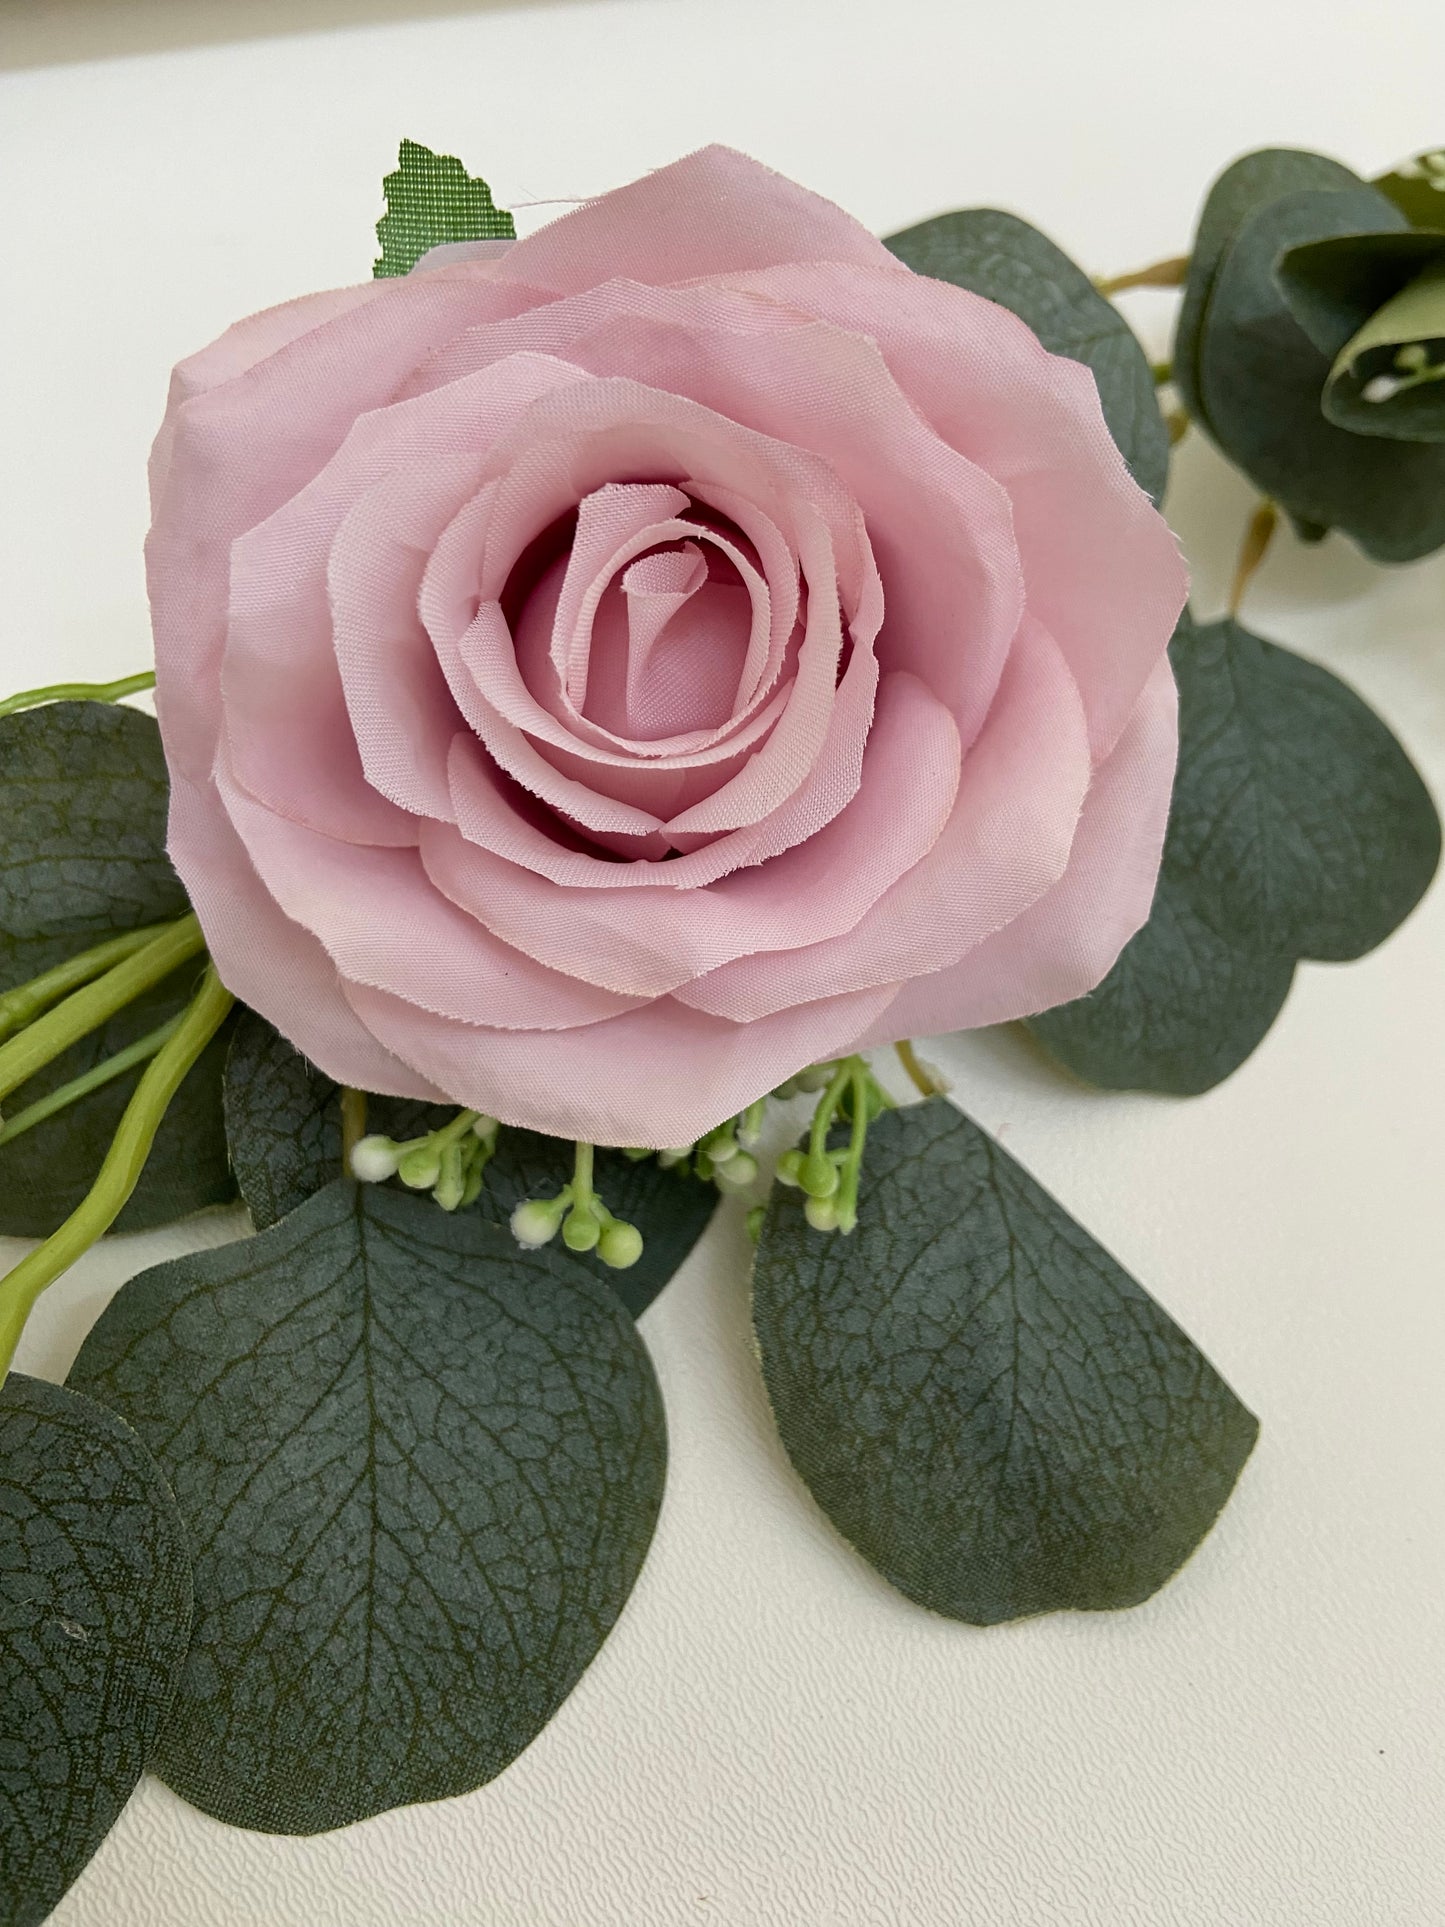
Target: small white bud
674, 1155
535, 1221
485, 1128
373, 1160
821, 1213
738, 1173
1381, 388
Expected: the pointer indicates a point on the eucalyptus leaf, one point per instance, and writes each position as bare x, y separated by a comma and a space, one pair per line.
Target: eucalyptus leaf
1261, 385
1001, 257
1389, 379
283, 1119
83, 798
1244, 187
1417, 187
430, 200
982, 1401
1298, 828
420, 1469
95, 1612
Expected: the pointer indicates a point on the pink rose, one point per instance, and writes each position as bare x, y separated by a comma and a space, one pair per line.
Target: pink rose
604, 673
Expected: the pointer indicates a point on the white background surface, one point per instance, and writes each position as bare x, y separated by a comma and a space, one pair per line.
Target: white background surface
771, 1738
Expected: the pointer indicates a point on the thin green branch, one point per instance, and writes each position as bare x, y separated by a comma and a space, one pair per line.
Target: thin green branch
1171, 273
922, 1082
86, 1009
26, 1001
122, 1166
94, 1079
94, 692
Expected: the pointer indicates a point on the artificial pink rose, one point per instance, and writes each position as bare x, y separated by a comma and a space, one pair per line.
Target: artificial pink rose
605, 673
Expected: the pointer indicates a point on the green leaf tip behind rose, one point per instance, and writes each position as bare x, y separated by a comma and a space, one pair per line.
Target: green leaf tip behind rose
1250, 367
283, 1121
1417, 187
95, 1614
1298, 829
432, 200
83, 799
420, 1470
1004, 259
981, 1400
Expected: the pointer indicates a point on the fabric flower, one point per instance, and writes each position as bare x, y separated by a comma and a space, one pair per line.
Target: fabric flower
604, 673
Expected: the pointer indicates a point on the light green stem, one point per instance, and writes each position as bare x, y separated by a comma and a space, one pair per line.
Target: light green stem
25, 1002
94, 692
828, 1105
85, 1010
582, 1172
122, 1167
103, 1073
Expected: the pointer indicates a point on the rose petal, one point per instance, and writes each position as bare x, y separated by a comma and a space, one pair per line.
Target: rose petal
712, 212
1103, 571
1069, 941
647, 941
268, 961
1008, 840
385, 924
660, 1072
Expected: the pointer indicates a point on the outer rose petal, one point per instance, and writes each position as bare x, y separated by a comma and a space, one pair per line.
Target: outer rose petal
268, 961
1070, 940
662, 1072
713, 212
1102, 570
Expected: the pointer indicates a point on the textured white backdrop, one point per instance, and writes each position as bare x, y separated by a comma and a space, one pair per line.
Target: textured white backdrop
771, 1738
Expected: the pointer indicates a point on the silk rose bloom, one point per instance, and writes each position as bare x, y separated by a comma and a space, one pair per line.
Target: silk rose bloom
604, 673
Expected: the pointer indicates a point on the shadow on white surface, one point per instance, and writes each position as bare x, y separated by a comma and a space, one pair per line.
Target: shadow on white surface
50, 33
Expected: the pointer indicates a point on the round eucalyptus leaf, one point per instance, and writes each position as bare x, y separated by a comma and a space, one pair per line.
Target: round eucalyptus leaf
95, 1613
982, 1401
420, 1468
283, 1120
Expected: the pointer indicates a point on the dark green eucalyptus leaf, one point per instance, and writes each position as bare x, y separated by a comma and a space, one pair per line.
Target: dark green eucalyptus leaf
1180, 1011
431, 199
1262, 384
283, 1119
1003, 258
95, 1612
83, 795
1417, 187
1245, 186
1333, 287
982, 1401
1389, 378
420, 1469
1298, 828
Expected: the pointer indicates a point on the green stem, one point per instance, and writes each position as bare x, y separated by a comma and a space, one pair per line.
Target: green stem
908, 1058
1172, 273
94, 692
582, 1173
828, 1106
353, 1123
118, 1174
853, 1163
85, 1010
92, 1080
25, 1002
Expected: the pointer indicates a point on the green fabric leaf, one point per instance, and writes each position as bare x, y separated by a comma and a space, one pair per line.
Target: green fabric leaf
1417, 187
83, 796
982, 1401
1389, 379
283, 1119
1003, 258
1261, 383
1298, 828
95, 1612
431, 199
1244, 187
420, 1469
